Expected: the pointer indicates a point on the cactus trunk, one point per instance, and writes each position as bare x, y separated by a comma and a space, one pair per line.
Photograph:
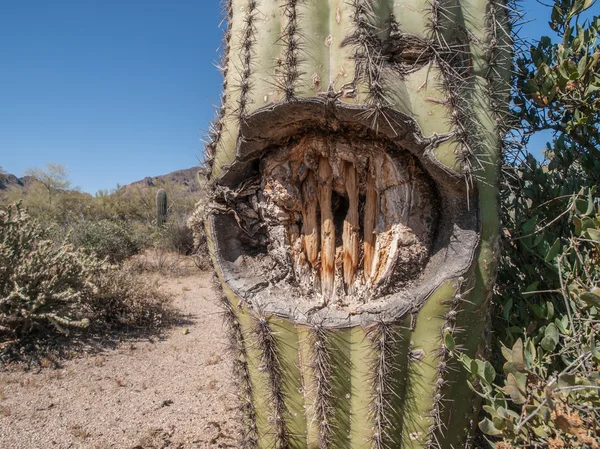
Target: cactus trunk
161, 207
354, 219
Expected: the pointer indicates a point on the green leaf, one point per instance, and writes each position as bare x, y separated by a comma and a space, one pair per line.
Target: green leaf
590, 298
529, 226
489, 372
487, 427
561, 325
554, 250
532, 287
594, 234
551, 337
507, 353
529, 354
550, 310
491, 410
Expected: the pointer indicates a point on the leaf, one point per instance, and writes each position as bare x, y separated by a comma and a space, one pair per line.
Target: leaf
551, 337
594, 234
529, 226
487, 427
517, 355
474, 367
489, 372
561, 325
512, 389
550, 309
553, 252
507, 353
590, 298
529, 354
491, 410
532, 287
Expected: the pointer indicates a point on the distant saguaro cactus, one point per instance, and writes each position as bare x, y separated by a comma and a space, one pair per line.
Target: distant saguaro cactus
354, 217
161, 207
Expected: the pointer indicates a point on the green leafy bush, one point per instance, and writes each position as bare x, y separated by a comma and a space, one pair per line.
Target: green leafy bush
116, 241
547, 390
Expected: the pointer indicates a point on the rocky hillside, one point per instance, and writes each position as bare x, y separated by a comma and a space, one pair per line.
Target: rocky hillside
7, 181
186, 178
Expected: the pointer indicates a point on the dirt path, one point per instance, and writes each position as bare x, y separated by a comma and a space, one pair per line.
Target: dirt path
174, 393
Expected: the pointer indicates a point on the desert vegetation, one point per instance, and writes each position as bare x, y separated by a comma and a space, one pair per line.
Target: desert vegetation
75, 264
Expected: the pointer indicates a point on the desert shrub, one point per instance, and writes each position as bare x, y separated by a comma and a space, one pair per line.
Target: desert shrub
39, 282
546, 392
124, 297
106, 239
175, 236
46, 287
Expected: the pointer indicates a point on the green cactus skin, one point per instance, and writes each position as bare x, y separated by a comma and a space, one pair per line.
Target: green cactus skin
436, 70
161, 207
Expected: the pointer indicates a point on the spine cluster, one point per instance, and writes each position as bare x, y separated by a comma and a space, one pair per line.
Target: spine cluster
384, 338
369, 56
216, 127
270, 364
291, 59
246, 56
321, 369
241, 374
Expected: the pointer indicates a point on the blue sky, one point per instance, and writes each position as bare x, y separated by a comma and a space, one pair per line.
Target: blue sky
115, 90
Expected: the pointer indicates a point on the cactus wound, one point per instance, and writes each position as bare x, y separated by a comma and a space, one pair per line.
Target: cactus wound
352, 218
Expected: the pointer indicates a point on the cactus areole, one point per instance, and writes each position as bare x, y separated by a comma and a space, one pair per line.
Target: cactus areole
353, 223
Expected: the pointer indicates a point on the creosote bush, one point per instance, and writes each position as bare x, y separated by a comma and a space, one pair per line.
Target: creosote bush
46, 287
116, 241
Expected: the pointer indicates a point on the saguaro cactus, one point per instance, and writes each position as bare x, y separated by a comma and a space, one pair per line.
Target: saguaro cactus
161, 207
354, 223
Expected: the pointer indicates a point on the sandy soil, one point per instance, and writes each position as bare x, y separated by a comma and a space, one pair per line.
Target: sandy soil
170, 393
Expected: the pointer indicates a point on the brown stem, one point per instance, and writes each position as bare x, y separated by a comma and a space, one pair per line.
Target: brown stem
310, 224
325, 178
370, 219
351, 226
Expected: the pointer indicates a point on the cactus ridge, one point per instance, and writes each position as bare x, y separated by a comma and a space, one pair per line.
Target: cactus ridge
291, 59
443, 383
215, 129
270, 363
322, 373
241, 373
384, 338
370, 60
246, 58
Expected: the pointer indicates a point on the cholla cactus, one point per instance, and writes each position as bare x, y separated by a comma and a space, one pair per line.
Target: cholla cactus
354, 223
39, 282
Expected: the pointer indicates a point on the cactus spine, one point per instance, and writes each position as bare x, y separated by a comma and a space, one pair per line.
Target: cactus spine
161, 207
353, 223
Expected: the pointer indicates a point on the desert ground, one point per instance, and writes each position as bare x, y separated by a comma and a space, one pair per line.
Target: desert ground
170, 391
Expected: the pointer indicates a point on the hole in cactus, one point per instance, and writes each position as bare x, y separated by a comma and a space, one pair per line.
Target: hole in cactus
339, 218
